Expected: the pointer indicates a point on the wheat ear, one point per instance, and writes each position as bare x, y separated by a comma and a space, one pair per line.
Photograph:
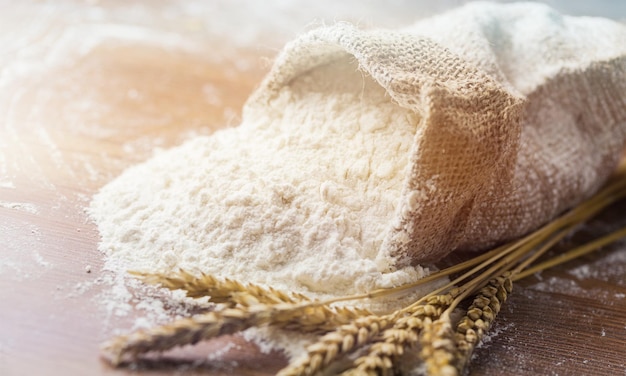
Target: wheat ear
305, 317
181, 332
218, 290
479, 317
334, 344
381, 357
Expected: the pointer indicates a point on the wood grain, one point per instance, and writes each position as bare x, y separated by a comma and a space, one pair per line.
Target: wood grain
70, 121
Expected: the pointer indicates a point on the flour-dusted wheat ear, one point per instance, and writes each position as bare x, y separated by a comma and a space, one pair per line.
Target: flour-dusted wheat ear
214, 324
181, 332
302, 317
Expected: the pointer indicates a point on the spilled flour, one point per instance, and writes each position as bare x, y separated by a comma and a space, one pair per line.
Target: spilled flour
299, 199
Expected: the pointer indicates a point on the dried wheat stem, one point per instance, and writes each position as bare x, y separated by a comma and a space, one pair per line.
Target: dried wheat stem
574, 253
512, 252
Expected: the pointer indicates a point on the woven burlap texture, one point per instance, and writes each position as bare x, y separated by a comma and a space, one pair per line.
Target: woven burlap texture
521, 111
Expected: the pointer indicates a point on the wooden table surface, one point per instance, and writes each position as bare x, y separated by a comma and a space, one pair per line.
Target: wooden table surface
87, 90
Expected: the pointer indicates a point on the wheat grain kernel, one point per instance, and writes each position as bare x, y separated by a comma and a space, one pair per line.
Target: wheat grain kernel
474, 313
488, 314
465, 324
481, 301
331, 353
481, 325
448, 370
348, 343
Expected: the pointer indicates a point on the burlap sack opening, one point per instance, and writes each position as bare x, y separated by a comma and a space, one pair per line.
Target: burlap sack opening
522, 115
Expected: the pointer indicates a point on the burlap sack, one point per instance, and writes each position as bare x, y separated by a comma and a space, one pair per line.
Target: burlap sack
522, 115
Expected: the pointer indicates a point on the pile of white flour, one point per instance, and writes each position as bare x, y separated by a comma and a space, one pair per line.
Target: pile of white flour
298, 200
